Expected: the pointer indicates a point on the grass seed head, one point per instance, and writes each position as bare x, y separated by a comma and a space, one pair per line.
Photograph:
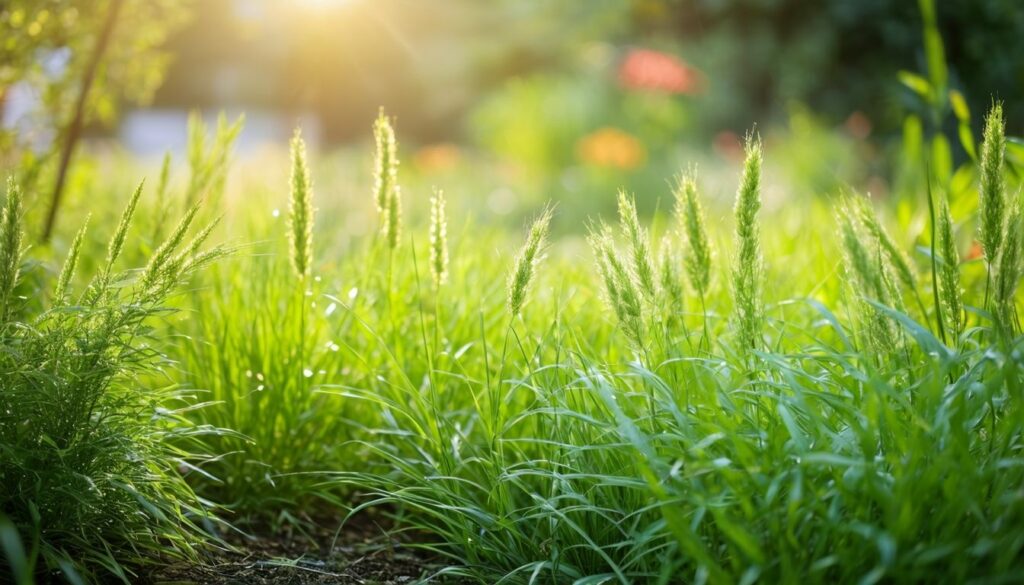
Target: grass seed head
438, 238
748, 268
67, 271
11, 237
640, 248
526, 260
698, 248
950, 292
300, 210
992, 204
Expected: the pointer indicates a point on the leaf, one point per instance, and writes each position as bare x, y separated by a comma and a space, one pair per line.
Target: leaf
917, 84
960, 109
967, 140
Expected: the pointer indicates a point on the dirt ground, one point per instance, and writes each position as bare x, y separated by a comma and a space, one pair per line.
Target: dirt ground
362, 552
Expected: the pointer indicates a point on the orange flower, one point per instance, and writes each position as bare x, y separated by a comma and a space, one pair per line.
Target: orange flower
650, 70
975, 252
438, 157
611, 147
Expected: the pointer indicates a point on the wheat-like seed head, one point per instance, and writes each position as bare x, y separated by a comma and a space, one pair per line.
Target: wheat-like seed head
949, 272
865, 214
386, 161
67, 271
526, 261
117, 242
438, 238
864, 270
669, 277
992, 203
10, 247
643, 265
747, 272
698, 248
1010, 265
300, 210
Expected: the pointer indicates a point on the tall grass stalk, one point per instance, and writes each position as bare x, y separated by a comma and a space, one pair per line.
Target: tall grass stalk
300, 210
11, 251
749, 264
438, 238
525, 264
992, 206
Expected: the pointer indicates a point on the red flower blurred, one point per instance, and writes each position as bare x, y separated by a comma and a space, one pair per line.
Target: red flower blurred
645, 69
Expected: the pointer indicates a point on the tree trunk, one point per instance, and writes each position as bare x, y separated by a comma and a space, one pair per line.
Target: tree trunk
74, 129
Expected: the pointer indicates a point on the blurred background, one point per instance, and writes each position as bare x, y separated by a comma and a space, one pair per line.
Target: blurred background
522, 100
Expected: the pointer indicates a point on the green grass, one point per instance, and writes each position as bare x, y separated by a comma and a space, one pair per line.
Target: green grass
818, 391
93, 435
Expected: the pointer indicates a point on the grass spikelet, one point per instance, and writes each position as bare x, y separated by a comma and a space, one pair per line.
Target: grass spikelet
669, 279
865, 274
992, 204
600, 244
387, 192
117, 242
385, 169
949, 271
748, 269
159, 269
10, 247
698, 249
438, 238
526, 261
300, 209
624, 296
894, 254
640, 249
1009, 268
393, 226
100, 284
67, 271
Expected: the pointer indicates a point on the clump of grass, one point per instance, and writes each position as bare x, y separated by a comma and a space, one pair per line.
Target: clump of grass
526, 262
749, 264
992, 206
438, 238
300, 210
91, 455
387, 191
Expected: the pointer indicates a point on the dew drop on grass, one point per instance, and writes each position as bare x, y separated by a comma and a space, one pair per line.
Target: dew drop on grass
276, 213
353, 293
330, 309
307, 373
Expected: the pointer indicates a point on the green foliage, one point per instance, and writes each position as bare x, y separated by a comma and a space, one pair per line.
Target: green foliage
93, 452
